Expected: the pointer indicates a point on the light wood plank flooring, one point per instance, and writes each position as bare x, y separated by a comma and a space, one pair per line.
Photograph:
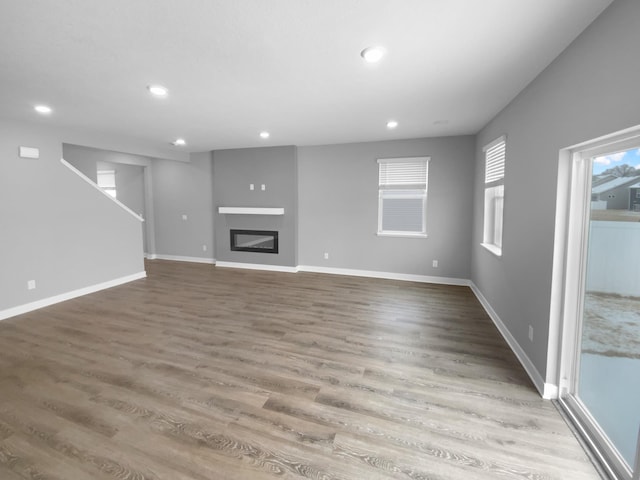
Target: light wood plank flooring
200, 372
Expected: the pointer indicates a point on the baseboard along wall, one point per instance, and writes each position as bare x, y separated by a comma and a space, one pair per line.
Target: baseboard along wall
180, 258
45, 302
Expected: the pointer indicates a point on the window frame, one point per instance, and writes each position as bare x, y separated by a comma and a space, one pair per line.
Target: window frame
385, 191
109, 189
494, 179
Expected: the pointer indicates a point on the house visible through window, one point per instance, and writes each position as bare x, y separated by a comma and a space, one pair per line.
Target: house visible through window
402, 196
107, 181
495, 154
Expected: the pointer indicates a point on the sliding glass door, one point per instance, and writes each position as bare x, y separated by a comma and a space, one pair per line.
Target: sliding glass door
602, 317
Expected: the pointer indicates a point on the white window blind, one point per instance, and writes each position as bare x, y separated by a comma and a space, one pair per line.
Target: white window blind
495, 154
403, 173
402, 184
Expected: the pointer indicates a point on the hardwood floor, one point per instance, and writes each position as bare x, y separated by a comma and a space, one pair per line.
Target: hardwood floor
198, 372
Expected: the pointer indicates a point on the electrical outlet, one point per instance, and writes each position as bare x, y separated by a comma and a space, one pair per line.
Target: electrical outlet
435, 264
530, 333
204, 248
326, 255
263, 187
184, 216
31, 284
252, 186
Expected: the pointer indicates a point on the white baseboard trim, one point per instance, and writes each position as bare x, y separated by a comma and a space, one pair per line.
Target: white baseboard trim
45, 302
407, 277
526, 362
181, 258
257, 266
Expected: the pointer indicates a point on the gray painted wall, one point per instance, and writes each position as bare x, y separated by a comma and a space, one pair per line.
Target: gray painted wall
338, 202
234, 170
86, 165
183, 188
55, 228
590, 90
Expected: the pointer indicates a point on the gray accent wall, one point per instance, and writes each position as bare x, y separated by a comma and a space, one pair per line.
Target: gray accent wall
55, 228
338, 202
590, 90
234, 171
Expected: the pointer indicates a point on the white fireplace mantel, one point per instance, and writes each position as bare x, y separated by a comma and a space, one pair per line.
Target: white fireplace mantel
251, 210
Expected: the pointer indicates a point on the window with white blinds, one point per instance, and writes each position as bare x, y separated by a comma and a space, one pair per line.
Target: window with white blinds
402, 196
107, 181
495, 157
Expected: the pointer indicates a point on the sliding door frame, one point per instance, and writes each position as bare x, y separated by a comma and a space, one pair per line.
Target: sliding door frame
568, 290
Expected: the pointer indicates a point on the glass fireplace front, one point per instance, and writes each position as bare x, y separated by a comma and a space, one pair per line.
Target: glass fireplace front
260, 241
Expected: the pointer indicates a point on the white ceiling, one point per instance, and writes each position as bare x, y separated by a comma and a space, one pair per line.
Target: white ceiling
291, 67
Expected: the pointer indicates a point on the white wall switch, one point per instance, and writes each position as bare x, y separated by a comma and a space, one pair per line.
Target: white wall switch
184, 216
251, 186
29, 152
263, 187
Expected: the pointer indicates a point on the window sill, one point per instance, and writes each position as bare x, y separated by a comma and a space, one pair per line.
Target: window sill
400, 234
497, 251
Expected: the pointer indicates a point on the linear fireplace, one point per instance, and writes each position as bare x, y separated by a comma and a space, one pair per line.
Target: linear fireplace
260, 241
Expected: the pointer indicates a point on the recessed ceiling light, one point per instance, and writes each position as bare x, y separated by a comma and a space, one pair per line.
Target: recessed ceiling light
179, 142
392, 124
158, 90
264, 134
372, 54
42, 109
